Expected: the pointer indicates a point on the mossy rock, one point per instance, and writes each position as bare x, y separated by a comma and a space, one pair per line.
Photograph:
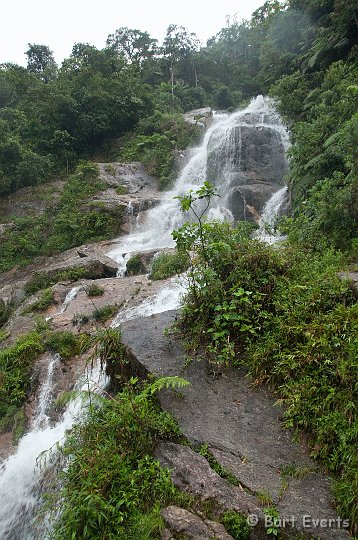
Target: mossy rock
135, 266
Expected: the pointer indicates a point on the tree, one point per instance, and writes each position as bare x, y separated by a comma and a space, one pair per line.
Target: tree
135, 46
40, 60
179, 44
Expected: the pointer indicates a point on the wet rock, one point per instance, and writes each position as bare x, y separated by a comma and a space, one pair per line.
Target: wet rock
192, 473
352, 278
247, 202
181, 521
199, 117
132, 176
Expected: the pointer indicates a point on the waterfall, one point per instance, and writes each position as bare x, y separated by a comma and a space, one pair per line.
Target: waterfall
229, 147
71, 295
243, 155
21, 474
269, 216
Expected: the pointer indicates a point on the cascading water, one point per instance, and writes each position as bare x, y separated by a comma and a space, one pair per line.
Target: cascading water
21, 475
242, 154
228, 157
269, 216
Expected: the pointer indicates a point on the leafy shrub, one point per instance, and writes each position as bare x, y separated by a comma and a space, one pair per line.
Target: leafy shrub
236, 525
135, 266
169, 264
94, 290
104, 313
66, 344
45, 300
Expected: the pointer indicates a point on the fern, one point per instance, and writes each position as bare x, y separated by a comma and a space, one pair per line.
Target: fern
164, 383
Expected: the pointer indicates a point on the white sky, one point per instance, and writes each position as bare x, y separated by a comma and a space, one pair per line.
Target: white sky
60, 24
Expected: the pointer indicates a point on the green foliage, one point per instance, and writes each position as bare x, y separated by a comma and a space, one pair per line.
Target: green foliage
288, 316
236, 525
105, 313
323, 158
135, 266
3, 335
232, 280
156, 141
112, 487
16, 364
121, 190
168, 264
66, 344
45, 300
273, 520
94, 290
48, 122
73, 222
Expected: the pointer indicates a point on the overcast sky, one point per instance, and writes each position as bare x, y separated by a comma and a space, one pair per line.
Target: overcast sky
60, 24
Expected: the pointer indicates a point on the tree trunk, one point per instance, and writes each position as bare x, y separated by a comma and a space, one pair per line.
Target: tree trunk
172, 80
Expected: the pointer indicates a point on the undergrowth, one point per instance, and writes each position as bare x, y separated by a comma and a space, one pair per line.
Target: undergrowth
168, 264
71, 222
113, 488
286, 314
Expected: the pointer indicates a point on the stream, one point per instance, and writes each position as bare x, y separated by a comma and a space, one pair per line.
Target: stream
21, 474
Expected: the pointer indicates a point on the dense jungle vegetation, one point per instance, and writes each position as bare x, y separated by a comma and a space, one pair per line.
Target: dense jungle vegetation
303, 53
284, 313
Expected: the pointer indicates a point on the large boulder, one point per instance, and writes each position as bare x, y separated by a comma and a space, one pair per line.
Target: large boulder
199, 117
251, 158
191, 525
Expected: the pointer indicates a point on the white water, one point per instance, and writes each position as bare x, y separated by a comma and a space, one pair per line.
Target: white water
20, 478
155, 233
270, 213
71, 295
166, 299
21, 474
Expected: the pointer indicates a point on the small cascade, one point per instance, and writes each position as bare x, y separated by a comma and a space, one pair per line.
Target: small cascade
269, 217
166, 299
41, 419
21, 474
71, 295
